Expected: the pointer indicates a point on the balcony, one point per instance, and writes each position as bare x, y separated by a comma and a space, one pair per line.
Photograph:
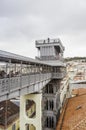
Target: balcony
49, 41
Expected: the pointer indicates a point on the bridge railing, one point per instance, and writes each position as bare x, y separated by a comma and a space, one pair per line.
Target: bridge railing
8, 85
58, 75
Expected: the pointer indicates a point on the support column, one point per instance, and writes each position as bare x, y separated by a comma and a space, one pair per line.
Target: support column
37, 121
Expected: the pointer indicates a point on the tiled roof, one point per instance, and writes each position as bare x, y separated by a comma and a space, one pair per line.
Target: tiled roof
73, 116
79, 76
8, 112
79, 91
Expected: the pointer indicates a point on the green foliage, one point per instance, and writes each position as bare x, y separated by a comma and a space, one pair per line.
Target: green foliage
75, 58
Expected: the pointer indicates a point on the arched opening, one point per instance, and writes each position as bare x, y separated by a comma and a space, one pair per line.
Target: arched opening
49, 122
49, 89
57, 51
30, 108
30, 127
49, 105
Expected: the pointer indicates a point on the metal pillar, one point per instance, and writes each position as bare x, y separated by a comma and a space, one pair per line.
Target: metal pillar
9, 74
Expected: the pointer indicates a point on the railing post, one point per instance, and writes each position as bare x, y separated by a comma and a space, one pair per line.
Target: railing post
39, 73
47, 71
7, 86
21, 76
9, 75
29, 75
35, 73
15, 67
43, 72
6, 67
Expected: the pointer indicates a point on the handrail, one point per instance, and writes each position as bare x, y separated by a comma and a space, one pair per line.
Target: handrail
8, 85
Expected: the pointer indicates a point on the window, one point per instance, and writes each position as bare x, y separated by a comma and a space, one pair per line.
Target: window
49, 89
27, 126
14, 127
49, 122
49, 105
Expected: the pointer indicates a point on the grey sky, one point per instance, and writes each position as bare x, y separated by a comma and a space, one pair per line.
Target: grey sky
24, 21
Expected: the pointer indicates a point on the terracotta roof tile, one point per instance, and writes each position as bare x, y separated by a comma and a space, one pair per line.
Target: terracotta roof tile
74, 117
8, 111
79, 91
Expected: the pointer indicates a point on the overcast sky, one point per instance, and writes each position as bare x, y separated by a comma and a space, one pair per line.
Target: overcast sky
24, 21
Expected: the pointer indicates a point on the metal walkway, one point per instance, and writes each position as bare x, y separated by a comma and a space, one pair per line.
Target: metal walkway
21, 75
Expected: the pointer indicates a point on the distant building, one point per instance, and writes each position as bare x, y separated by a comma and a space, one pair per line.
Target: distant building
73, 115
78, 79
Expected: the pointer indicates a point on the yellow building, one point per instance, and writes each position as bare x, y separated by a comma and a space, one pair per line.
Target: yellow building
9, 115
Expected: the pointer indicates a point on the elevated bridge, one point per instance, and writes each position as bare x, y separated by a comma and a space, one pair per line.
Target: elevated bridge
35, 80
22, 75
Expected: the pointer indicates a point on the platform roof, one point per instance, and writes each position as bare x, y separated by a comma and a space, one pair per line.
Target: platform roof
15, 58
56, 63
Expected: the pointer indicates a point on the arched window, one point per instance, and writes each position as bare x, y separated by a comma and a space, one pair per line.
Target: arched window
50, 105
49, 122
27, 126
46, 89
47, 104
46, 122
50, 88
52, 122
49, 126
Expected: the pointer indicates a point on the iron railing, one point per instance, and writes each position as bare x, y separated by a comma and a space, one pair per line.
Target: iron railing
8, 85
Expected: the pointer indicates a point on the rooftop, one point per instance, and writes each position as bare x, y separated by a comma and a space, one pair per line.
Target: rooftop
79, 91
49, 42
15, 58
8, 112
73, 116
79, 76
